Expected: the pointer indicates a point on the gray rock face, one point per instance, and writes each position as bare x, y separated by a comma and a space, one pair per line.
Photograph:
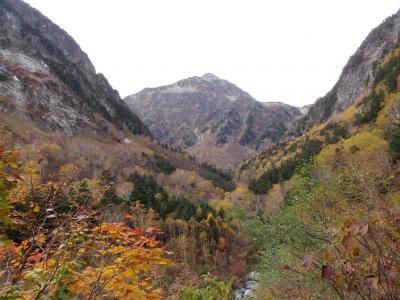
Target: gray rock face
47, 78
248, 287
358, 75
211, 118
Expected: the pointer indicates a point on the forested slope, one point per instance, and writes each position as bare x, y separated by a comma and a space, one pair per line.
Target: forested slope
334, 233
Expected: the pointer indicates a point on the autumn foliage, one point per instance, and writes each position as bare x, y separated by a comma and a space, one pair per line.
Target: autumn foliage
335, 234
363, 259
53, 246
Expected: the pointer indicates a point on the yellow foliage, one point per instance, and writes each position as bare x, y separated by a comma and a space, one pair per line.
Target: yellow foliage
393, 53
222, 204
327, 155
69, 171
51, 148
369, 143
240, 189
383, 120
70, 251
396, 199
148, 151
315, 129
362, 147
123, 264
347, 116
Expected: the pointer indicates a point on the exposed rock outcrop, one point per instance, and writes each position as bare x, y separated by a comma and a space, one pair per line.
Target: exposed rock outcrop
45, 77
212, 118
358, 75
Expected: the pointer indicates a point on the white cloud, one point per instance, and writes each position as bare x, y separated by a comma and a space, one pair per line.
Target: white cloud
287, 50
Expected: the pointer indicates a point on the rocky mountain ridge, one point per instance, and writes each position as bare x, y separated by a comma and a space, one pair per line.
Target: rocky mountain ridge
357, 97
212, 118
45, 77
358, 74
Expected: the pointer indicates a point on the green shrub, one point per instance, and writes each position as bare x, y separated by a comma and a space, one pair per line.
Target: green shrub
148, 192
163, 165
214, 289
287, 168
393, 137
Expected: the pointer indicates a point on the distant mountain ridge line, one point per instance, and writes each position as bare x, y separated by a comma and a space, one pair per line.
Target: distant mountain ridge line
207, 112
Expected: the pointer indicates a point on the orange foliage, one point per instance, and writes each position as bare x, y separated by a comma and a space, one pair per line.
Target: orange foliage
54, 247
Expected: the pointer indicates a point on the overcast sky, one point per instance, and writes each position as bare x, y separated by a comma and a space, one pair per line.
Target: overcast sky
284, 50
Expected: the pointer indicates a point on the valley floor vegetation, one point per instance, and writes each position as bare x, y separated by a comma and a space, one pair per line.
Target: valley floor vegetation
84, 218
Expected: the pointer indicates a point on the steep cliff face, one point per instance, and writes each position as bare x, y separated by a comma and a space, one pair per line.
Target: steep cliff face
358, 75
211, 118
45, 77
372, 69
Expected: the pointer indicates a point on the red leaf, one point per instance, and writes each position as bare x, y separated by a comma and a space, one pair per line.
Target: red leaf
393, 276
152, 230
128, 217
34, 257
139, 243
138, 231
326, 272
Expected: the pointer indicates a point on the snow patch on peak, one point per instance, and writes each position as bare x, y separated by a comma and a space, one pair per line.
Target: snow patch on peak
209, 76
178, 89
232, 98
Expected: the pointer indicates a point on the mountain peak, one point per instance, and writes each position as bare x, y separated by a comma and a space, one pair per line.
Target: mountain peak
213, 119
210, 76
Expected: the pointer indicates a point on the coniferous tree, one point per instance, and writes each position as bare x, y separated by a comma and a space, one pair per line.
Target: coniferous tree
110, 196
84, 196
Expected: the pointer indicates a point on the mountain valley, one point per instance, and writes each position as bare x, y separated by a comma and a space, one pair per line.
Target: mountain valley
193, 190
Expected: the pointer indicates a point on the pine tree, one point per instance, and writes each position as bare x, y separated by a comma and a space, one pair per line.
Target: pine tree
84, 196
